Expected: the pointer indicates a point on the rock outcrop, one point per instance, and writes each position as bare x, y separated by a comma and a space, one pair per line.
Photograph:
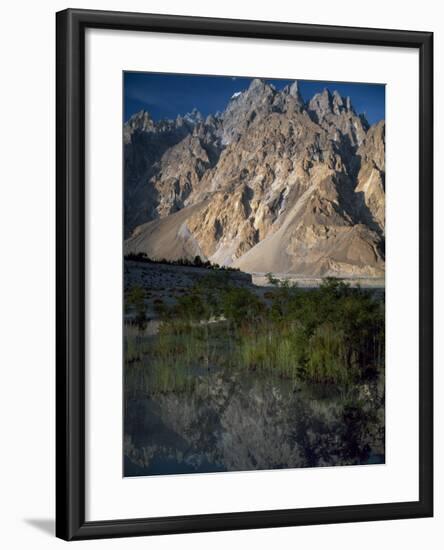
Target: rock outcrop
270, 184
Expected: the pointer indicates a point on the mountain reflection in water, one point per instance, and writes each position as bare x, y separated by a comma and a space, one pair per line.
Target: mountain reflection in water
237, 421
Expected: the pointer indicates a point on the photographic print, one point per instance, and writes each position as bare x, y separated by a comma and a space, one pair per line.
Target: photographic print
254, 261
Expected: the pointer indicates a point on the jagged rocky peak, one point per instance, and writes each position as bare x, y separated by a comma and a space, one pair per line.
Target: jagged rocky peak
292, 89
258, 92
140, 121
259, 100
339, 104
321, 104
258, 85
290, 99
143, 123
211, 121
269, 184
194, 117
190, 119
334, 112
253, 104
326, 103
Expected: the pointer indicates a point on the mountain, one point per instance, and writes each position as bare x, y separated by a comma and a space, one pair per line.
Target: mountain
271, 184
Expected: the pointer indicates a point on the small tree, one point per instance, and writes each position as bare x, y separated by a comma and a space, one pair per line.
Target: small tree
198, 261
272, 280
240, 305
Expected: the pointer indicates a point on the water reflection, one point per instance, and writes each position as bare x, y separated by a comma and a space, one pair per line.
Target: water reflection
232, 421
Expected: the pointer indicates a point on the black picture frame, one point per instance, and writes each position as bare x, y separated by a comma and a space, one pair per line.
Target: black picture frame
70, 277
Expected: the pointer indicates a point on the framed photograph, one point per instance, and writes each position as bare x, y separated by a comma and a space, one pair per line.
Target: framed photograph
244, 274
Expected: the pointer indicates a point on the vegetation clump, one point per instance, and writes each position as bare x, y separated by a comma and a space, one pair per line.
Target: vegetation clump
330, 335
181, 262
135, 299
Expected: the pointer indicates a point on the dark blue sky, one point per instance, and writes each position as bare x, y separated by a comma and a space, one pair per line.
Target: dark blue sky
167, 95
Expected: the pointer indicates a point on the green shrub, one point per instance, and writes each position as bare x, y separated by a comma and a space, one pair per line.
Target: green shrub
330, 335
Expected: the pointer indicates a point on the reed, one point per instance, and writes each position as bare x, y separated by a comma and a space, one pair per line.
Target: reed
331, 335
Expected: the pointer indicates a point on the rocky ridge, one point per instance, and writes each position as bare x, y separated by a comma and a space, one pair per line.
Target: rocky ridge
271, 184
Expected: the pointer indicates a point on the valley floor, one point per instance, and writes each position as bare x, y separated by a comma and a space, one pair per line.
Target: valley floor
261, 279
165, 283
221, 374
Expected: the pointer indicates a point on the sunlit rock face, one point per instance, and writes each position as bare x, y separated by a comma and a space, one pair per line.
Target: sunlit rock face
270, 184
